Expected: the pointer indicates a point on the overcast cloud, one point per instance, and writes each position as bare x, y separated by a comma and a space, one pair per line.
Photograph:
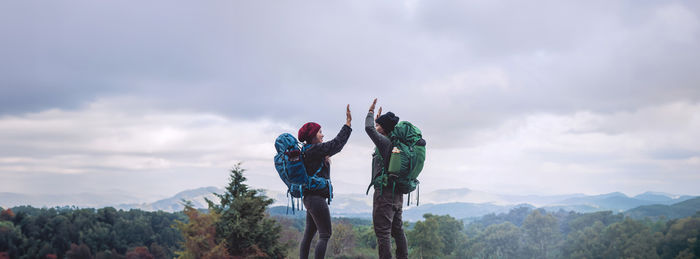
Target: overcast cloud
151, 98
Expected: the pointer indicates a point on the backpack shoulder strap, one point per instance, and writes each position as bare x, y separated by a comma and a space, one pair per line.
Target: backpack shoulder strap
381, 174
303, 149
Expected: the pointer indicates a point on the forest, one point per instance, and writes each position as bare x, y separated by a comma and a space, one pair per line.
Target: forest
238, 225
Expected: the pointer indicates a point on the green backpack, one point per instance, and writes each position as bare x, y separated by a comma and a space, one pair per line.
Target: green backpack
404, 166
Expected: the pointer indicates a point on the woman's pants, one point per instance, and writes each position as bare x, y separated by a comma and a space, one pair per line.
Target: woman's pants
318, 218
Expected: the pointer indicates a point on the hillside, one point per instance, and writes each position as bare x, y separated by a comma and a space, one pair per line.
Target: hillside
679, 210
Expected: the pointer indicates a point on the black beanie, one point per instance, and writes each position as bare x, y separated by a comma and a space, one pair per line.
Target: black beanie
387, 121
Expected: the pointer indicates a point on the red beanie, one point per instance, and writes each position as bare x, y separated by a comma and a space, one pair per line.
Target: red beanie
308, 131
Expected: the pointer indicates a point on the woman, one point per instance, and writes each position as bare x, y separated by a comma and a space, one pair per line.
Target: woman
316, 155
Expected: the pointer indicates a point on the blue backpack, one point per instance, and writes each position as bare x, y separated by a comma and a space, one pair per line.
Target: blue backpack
289, 163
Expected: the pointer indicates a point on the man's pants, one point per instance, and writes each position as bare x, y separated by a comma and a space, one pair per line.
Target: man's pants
386, 216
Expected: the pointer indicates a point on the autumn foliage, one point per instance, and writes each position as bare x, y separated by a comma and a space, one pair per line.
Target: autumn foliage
200, 236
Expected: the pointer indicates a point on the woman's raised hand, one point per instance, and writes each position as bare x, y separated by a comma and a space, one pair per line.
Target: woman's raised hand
348, 115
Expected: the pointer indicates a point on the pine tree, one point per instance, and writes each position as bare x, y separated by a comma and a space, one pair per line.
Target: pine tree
244, 224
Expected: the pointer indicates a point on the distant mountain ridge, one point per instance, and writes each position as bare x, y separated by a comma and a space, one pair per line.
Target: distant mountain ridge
662, 197
175, 203
678, 210
91, 200
458, 210
467, 203
616, 201
460, 203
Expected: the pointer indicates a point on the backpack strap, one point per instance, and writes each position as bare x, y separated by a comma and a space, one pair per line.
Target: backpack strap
330, 191
293, 206
417, 196
288, 203
289, 192
298, 205
372, 182
381, 175
303, 149
320, 168
301, 198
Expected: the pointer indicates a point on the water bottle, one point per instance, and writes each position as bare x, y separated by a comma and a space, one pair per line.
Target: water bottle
395, 160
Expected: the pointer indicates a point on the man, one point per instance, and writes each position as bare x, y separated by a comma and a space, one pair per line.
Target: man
387, 205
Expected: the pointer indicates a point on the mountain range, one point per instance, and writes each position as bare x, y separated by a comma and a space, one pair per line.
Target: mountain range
459, 203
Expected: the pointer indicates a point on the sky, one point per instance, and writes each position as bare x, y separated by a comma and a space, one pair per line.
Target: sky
150, 98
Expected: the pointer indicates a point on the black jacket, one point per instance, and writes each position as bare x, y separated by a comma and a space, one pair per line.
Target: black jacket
315, 155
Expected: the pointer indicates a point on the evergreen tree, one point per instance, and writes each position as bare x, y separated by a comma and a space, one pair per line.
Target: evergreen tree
244, 224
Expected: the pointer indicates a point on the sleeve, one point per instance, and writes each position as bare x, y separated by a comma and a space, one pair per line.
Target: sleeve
380, 141
332, 147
